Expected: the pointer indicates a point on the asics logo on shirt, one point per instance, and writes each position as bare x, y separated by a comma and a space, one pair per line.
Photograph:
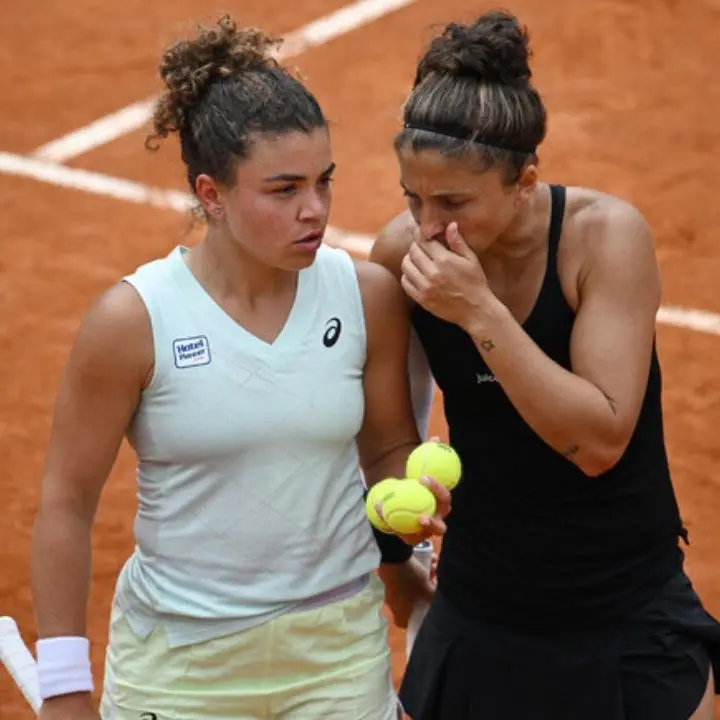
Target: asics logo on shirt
333, 327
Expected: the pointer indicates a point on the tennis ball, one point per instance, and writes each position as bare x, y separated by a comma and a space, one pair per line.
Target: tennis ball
436, 460
404, 504
377, 494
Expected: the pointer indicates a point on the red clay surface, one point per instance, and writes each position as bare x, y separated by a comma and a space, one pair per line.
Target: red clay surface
633, 104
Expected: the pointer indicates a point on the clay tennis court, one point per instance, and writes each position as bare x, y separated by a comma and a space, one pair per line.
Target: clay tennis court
634, 104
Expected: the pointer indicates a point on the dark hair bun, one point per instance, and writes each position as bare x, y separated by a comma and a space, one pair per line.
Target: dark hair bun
189, 67
494, 49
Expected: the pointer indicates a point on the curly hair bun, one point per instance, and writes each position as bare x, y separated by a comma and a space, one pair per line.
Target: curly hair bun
189, 67
494, 49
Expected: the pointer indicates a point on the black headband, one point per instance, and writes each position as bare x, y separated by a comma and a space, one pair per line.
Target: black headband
460, 133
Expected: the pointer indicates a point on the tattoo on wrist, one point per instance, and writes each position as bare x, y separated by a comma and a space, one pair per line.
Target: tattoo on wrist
487, 345
571, 451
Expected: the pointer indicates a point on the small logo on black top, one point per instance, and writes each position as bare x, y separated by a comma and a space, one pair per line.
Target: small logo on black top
485, 378
332, 332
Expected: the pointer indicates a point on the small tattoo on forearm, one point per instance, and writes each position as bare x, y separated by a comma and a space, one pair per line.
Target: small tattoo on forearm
571, 451
487, 345
612, 403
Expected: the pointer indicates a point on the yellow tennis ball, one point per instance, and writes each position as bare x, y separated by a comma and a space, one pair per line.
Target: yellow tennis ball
377, 494
436, 460
404, 504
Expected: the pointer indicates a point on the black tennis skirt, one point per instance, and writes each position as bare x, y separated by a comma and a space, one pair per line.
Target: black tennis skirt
654, 667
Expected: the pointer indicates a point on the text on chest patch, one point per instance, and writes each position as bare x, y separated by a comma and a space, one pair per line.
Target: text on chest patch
191, 351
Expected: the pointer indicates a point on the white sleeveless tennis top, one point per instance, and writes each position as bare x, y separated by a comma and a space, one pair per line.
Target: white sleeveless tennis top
250, 496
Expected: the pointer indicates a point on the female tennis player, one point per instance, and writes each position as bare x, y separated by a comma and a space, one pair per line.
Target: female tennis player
253, 375
561, 590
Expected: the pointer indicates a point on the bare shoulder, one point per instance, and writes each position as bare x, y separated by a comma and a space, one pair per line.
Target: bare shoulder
598, 220
393, 241
378, 285
603, 232
385, 310
115, 334
119, 308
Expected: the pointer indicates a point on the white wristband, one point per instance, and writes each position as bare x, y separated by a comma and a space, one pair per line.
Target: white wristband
63, 665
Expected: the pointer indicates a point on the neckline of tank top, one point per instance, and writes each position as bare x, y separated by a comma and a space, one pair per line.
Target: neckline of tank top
550, 285
209, 312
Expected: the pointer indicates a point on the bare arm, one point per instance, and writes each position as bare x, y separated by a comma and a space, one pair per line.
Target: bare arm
389, 432
99, 392
588, 414
408, 583
392, 243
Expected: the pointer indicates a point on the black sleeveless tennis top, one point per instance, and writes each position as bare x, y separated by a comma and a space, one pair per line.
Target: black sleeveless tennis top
531, 539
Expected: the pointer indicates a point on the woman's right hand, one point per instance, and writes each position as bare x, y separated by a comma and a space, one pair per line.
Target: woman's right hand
78, 706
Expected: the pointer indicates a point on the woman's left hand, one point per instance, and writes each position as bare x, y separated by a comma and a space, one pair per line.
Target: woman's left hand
448, 282
432, 525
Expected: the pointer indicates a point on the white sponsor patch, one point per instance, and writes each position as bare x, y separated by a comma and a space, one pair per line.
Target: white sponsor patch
191, 351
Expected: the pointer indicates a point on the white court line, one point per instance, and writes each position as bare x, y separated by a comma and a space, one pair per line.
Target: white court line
132, 117
108, 186
698, 320
92, 182
97, 133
